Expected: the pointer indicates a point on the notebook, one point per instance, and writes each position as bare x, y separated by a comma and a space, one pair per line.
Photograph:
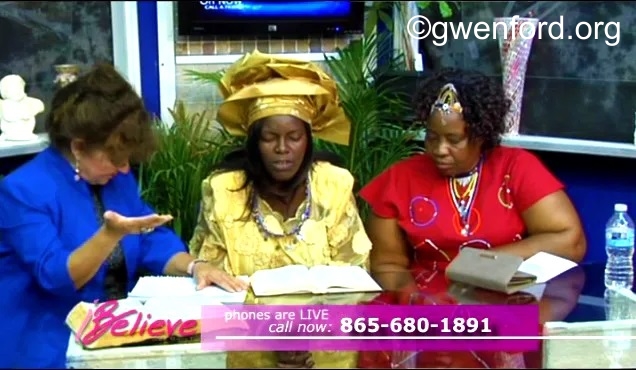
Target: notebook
183, 287
502, 272
299, 279
546, 266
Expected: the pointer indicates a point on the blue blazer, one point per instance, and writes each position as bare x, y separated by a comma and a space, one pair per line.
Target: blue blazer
44, 216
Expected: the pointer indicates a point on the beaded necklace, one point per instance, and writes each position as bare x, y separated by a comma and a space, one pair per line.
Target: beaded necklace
296, 230
464, 202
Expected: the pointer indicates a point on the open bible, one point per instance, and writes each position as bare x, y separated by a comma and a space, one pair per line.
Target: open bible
299, 279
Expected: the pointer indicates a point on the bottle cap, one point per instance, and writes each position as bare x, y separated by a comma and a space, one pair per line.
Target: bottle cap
620, 207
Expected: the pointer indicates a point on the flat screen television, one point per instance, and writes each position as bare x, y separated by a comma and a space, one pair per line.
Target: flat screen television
289, 19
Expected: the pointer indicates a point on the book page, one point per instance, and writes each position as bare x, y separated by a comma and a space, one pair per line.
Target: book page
288, 299
546, 266
282, 280
347, 298
180, 287
342, 279
183, 308
536, 290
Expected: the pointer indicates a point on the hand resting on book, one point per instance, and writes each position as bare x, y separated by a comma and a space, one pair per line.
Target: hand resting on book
182, 287
206, 275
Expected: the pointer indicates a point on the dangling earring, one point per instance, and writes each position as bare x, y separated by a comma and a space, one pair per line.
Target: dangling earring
77, 171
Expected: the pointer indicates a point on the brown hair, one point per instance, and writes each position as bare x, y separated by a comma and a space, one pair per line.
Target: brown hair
102, 109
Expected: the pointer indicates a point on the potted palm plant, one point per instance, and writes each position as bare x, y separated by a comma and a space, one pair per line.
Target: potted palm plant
189, 149
375, 107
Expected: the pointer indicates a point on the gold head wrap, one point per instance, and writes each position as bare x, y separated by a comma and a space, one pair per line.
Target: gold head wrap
447, 101
263, 85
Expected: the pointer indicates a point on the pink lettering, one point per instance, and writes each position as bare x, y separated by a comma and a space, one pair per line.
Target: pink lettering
156, 328
105, 320
188, 328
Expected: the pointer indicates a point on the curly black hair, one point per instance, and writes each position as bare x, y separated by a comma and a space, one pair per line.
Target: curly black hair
482, 98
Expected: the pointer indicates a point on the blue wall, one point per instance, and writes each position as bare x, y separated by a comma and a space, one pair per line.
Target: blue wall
148, 55
594, 183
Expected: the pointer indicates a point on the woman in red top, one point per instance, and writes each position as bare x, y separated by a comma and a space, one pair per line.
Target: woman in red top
466, 190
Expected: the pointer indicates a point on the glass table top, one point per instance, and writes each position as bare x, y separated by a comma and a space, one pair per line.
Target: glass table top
573, 306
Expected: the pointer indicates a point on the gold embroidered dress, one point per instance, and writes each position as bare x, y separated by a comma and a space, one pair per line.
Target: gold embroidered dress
229, 238
258, 86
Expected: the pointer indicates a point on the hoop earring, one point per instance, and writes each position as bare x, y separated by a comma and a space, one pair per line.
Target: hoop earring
77, 171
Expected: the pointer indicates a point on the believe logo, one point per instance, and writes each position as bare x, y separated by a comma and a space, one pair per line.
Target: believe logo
105, 320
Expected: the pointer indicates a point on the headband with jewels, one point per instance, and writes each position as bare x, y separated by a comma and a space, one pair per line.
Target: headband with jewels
447, 100
263, 85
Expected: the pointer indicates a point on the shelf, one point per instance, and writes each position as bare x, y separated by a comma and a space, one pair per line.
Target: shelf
530, 142
17, 148
564, 145
541, 143
576, 146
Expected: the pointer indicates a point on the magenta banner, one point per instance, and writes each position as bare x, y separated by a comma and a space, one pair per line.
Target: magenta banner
370, 328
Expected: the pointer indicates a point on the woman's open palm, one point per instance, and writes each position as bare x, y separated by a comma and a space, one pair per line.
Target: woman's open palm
134, 225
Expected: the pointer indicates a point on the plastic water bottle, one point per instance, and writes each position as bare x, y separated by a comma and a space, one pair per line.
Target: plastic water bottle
619, 245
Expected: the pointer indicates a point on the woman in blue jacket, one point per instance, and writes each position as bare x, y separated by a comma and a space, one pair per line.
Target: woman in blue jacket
73, 226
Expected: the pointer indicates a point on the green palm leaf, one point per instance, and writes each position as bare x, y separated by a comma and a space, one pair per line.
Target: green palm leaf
171, 180
374, 106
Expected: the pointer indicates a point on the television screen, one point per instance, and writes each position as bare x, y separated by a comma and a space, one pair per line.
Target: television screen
237, 10
270, 18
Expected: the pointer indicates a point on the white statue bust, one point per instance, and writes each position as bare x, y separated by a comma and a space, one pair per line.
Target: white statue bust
17, 110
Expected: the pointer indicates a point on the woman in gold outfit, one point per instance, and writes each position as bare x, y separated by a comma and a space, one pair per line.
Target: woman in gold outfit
276, 202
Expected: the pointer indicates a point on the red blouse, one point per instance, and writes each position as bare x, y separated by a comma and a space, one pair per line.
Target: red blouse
413, 192
419, 197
